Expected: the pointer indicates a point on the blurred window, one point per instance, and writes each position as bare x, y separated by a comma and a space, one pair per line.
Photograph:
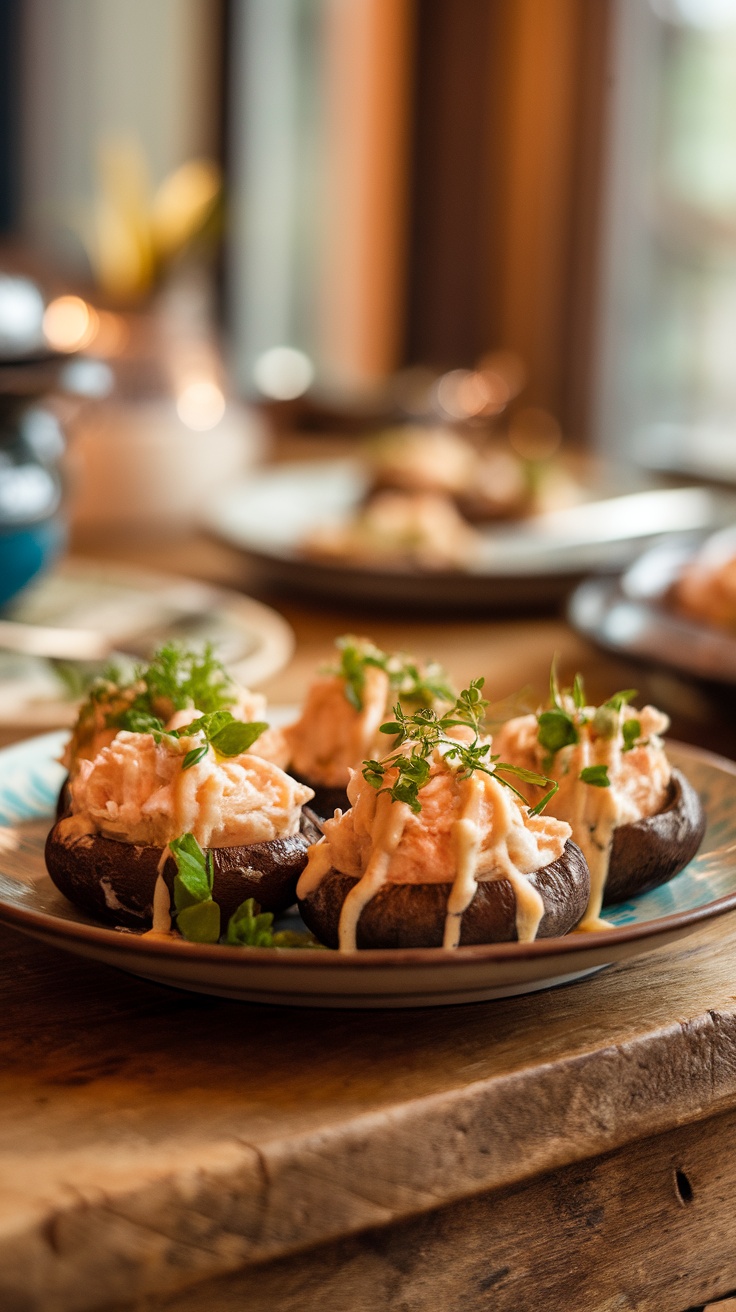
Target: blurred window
668, 378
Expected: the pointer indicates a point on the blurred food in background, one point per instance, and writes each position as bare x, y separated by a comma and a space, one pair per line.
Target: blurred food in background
706, 587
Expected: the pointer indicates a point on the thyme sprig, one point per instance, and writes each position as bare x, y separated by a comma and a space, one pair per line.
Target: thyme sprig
559, 726
428, 731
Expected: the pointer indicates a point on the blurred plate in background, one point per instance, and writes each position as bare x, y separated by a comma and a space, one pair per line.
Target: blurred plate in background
632, 616
531, 561
136, 611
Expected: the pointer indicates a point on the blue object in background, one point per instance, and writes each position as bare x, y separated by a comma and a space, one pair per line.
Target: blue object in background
32, 530
25, 552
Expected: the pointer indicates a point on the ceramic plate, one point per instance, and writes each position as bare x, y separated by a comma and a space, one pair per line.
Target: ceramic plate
416, 977
535, 560
631, 616
252, 639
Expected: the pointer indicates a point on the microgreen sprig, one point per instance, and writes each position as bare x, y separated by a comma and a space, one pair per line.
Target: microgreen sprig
249, 927
560, 725
428, 731
414, 684
176, 678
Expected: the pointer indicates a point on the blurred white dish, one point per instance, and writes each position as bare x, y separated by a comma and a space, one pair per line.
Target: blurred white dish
269, 515
138, 610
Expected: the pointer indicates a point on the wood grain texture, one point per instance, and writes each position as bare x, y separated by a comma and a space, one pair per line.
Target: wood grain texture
150, 1140
607, 1235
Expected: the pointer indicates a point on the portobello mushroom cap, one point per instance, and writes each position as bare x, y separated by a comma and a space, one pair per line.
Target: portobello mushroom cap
650, 851
413, 915
64, 800
114, 881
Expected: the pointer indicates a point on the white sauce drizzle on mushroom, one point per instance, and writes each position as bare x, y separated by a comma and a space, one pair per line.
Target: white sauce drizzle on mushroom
391, 818
512, 842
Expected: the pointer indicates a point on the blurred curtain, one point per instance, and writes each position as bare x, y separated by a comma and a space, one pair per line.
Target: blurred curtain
417, 181
667, 395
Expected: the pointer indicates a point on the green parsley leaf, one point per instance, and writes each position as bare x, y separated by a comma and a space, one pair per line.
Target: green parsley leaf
556, 729
236, 737
200, 923
249, 927
606, 722
220, 730
578, 692
631, 730
597, 775
197, 915
194, 867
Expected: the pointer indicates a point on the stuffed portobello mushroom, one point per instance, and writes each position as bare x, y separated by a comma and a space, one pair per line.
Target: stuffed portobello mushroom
637, 819
440, 849
340, 724
160, 694
152, 806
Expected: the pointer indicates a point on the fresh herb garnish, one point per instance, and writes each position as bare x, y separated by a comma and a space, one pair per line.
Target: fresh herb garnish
631, 730
221, 731
173, 680
187, 678
560, 726
578, 692
556, 729
356, 656
621, 699
428, 731
249, 927
197, 915
414, 684
597, 775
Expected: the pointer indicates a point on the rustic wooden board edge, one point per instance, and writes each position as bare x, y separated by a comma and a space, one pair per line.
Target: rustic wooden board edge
267, 1201
643, 1227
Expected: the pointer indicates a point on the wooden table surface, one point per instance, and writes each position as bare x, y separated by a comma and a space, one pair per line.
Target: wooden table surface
565, 1150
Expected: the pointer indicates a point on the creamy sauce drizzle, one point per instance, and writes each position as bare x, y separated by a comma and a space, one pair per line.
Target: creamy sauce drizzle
467, 834
391, 818
466, 837
161, 926
596, 817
